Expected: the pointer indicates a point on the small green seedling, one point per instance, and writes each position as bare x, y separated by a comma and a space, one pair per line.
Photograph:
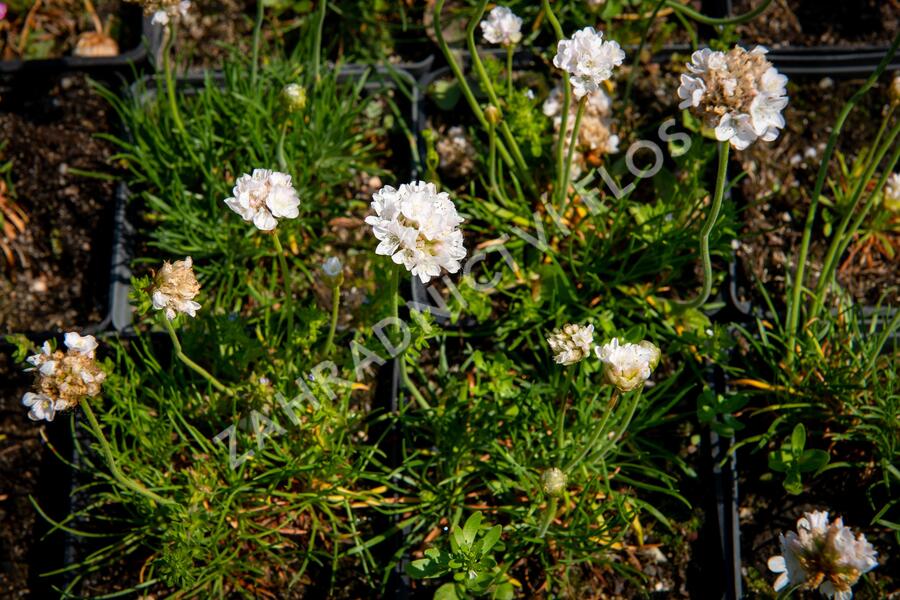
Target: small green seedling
470, 560
793, 460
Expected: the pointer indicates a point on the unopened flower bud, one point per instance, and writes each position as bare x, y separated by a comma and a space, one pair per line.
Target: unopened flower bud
293, 96
892, 193
333, 272
493, 115
571, 344
553, 482
894, 92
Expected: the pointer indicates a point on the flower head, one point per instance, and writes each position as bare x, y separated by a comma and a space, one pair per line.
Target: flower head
63, 379
628, 366
595, 136
293, 96
333, 271
553, 482
418, 228
502, 27
456, 152
822, 555
588, 60
263, 197
164, 10
94, 44
893, 93
739, 93
3, 10
892, 193
571, 344
174, 289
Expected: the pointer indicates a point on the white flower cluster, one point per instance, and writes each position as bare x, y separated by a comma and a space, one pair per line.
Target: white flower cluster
628, 366
739, 93
456, 152
595, 136
418, 228
502, 27
63, 379
572, 343
588, 60
174, 289
892, 192
164, 10
822, 555
263, 197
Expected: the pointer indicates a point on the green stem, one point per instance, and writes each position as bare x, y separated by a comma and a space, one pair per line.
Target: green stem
549, 515
700, 17
111, 461
317, 49
279, 151
561, 416
257, 31
573, 142
401, 358
463, 84
598, 432
793, 308
714, 210
335, 306
567, 97
190, 363
840, 239
288, 289
509, 71
637, 55
492, 95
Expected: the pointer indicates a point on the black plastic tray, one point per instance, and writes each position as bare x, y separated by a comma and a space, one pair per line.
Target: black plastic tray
132, 16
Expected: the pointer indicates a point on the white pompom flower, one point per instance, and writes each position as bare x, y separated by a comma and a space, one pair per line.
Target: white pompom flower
588, 59
174, 289
63, 379
628, 366
418, 228
571, 344
822, 555
739, 94
502, 27
264, 197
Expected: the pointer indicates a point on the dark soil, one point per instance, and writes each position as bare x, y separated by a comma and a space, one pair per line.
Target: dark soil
211, 31
821, 22
55, 274
20, 453
781, 176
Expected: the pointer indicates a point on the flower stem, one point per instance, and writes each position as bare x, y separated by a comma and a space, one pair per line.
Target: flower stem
492, 95
635, 66
714, 210
288, 300
460, 77
190, 363
335, 306
257, 31
842, 236
561, 416
567, 96
549, 515
793, 308
567, 169
701, 18
509, 70
401, 357
599, 431
317, 42
279, 150
111, 461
